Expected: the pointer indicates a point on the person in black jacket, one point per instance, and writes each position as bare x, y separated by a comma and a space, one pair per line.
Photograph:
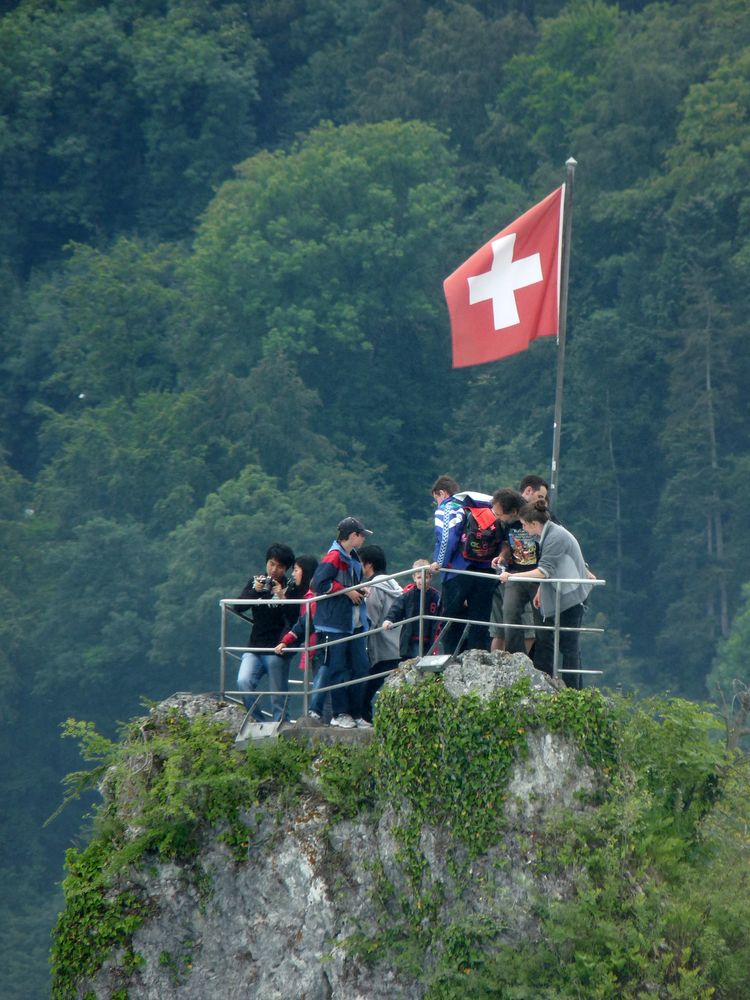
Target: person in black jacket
270, 622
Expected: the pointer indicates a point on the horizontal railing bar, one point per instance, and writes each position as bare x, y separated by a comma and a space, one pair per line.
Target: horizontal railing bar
252, 601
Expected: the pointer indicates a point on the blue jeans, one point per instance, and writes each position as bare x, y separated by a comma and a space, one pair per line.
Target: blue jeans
344, 662
252, 668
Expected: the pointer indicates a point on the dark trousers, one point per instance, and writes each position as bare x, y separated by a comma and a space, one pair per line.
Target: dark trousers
343, 662
468, 597
570, 653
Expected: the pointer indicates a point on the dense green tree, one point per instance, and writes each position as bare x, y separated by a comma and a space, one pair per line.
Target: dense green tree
33, 760
195, 73
732, 662
274, 417
606, 490
69, 140
12, 586
95, 594
96, 456
307, 62
333, 255
706, 427
114, 339
448, 73
116, 115
540, 105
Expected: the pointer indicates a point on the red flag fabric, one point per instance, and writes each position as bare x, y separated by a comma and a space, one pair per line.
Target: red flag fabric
508, 293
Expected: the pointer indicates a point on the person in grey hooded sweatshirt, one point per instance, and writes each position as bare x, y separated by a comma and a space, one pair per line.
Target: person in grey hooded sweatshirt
382, 647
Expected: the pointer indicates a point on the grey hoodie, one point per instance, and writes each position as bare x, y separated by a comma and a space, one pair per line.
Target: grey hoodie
381, 593
560, 556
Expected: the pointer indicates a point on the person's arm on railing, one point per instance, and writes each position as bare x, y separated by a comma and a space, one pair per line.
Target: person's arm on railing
397, 611
297, 632
292, 637
536, 574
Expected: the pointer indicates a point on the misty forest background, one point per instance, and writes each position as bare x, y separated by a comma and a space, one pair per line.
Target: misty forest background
224, 228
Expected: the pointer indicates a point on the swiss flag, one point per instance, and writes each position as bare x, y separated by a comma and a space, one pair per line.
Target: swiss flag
508, 293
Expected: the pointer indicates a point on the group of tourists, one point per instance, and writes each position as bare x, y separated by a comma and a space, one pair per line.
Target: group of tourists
522, 545
495, 555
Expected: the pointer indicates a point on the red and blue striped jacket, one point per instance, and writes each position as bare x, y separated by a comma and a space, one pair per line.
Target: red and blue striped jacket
337, 570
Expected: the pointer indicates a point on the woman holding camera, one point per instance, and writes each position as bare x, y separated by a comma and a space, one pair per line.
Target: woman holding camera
270, 622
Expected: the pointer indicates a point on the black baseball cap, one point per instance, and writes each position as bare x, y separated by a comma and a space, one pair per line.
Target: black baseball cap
351, 524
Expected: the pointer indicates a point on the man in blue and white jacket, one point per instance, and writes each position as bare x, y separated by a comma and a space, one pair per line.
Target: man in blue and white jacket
464, 597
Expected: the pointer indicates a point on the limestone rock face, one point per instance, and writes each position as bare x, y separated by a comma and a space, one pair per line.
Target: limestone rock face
275, 925
271, 927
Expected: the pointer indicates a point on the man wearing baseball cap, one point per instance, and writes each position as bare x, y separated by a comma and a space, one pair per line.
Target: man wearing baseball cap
340, 617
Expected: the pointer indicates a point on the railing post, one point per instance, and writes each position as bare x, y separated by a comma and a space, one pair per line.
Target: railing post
423, 571
223, 660
308, 665
556, 648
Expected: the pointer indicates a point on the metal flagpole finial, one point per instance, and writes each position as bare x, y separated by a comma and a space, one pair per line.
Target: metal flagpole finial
571, 163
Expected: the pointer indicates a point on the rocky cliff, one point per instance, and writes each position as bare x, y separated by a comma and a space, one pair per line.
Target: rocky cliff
324, 865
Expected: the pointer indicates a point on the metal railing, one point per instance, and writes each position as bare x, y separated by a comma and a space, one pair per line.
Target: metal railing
228, 606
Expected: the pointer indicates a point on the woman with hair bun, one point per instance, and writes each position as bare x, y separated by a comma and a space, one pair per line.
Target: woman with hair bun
560, 557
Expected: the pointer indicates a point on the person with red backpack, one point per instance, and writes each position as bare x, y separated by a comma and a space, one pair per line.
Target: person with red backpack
467, 537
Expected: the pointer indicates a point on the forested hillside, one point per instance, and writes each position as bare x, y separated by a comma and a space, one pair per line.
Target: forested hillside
224, 228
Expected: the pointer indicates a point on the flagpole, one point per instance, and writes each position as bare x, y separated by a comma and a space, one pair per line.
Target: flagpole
570, 166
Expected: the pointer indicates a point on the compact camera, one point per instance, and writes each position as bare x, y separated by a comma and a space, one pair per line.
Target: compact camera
266, 582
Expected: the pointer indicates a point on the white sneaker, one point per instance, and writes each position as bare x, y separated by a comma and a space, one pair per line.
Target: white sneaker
313, 715
343, 722
363, 724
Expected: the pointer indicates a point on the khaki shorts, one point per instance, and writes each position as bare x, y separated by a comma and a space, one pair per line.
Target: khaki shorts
496, 617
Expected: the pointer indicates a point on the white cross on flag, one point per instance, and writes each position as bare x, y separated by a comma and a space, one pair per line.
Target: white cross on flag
508, 293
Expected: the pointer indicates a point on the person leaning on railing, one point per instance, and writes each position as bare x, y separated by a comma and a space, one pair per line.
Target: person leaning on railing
559, 557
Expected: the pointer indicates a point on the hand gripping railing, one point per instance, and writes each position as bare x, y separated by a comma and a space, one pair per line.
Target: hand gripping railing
228, 606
